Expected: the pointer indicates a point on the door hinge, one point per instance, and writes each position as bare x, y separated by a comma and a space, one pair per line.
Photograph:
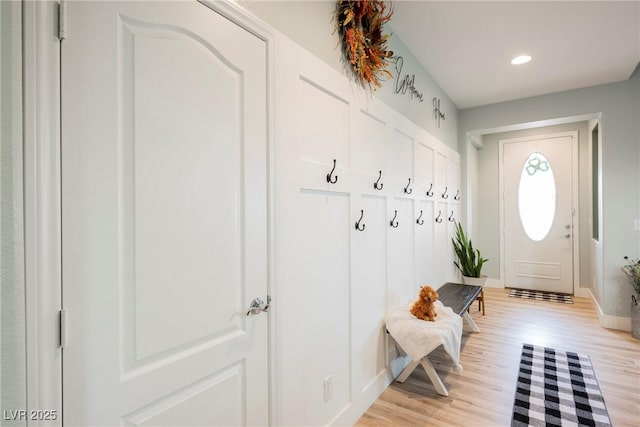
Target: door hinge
63, 328
62, 20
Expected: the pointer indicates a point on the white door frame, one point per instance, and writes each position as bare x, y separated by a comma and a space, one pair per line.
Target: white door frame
42, 198
42, 224
574, 202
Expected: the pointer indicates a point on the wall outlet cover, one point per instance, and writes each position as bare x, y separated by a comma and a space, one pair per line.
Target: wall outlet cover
328, 388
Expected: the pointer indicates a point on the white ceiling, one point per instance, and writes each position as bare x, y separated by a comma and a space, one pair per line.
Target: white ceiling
467, 46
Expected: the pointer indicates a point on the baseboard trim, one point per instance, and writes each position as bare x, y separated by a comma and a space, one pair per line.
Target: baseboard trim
494, 283
352, 412
583, 293
606, 320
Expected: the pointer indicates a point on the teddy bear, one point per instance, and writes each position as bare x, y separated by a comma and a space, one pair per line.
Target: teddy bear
424, 308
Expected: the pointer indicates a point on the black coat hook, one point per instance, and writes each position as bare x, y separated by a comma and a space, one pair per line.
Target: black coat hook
360, 227
393, 222
445, 195
451, 218
429, 192
438, 219
335, 178
420, 221
457, 196
377, 185
408, 190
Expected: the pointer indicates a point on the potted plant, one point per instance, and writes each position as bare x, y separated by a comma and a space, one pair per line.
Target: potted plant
469, 260
632, 271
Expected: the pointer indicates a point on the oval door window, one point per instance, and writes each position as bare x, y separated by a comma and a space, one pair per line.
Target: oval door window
537, 197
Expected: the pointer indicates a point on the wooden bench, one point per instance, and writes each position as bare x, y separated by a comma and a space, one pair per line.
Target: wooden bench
459, 298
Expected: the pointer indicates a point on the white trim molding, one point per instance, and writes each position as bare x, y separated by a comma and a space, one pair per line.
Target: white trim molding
606, 320
41, 85
583, 293
494, 283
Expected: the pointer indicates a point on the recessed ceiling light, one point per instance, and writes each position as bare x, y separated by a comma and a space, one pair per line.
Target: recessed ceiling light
522, 59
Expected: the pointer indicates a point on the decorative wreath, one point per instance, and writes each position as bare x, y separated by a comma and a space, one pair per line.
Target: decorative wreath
364, 47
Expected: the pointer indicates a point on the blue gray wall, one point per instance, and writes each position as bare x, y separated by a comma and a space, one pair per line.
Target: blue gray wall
619, 104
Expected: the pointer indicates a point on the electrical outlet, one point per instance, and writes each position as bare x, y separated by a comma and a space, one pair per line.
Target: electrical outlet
328, 388
636, 225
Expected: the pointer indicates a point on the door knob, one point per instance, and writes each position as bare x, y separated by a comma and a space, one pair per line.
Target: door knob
258, 306
567, 236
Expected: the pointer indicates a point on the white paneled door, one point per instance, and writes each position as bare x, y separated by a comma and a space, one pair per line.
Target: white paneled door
164, 216
539, 212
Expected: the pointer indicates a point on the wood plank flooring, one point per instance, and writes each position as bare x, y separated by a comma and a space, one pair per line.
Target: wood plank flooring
482, 395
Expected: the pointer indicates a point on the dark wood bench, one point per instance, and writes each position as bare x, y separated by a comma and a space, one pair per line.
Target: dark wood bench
459, 297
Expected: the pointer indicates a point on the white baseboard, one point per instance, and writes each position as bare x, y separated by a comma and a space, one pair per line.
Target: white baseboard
616, 322
352, 412
494, 283
583, 293
606, 320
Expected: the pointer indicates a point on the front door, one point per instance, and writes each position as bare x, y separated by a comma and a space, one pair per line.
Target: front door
539, 213
164, 213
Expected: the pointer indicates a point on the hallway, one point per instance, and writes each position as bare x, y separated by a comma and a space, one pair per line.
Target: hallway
482, 395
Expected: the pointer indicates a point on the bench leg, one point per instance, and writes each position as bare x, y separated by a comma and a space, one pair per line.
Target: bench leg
470, 322
433, 376
431, 373
407, 371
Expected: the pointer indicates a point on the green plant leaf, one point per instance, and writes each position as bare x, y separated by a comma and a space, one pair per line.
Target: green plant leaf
469, 259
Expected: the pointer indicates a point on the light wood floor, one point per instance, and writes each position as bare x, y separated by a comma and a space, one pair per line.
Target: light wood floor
482, 395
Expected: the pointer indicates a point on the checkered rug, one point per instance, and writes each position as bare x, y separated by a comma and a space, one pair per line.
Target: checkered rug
557, 388
541, 296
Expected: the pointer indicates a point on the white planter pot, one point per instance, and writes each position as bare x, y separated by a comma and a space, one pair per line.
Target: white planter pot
635, 320
476, 281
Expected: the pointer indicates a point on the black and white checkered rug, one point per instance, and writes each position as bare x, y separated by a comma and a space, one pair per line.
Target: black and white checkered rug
541, 296
557, 388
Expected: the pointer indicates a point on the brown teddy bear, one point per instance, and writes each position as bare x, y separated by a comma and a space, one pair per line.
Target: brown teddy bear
424, 307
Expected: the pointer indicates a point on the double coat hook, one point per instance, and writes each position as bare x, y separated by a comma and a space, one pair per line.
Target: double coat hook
360, 227
451, 218
393, 223
408, 190
377, 185
420, 221
429, 192
445, 195
457, 196
333, 180
438, 219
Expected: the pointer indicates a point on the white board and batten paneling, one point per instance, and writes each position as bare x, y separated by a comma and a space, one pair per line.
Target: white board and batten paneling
343, 158
313, 240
